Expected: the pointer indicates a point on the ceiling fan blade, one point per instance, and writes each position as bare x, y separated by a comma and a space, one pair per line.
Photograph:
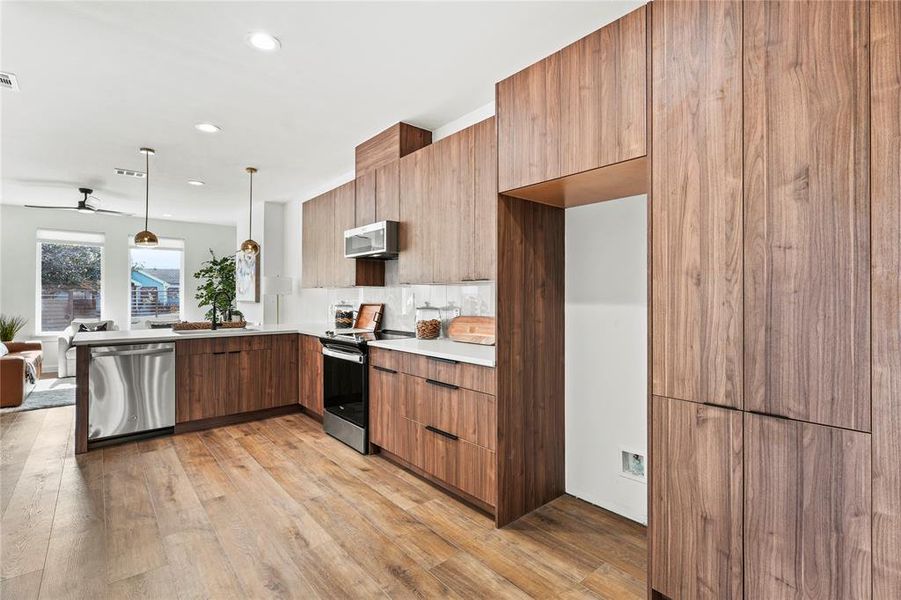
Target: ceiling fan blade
51, 207
113, 212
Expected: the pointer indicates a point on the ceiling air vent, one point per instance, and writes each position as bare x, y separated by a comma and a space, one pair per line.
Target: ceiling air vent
130, 173
8, 81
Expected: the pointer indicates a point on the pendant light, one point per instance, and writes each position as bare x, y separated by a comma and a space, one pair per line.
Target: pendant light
146, 238
248, 246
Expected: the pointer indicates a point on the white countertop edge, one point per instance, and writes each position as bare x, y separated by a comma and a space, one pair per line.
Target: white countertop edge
139, 336
474, 354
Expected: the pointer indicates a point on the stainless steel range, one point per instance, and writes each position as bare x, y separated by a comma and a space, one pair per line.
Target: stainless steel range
345, 385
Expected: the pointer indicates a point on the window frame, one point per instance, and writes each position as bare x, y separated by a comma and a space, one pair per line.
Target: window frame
70, 238
167, 243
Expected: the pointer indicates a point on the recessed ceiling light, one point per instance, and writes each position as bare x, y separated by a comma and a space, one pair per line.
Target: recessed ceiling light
196, 182
263, 41
207, 128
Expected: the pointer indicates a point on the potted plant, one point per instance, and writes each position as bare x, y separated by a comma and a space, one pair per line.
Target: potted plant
10, 326
217, 286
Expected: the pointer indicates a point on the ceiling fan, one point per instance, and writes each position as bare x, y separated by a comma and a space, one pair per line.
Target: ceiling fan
84, 205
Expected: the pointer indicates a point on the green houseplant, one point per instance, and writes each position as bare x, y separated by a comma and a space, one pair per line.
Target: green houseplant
10, 326
216, 284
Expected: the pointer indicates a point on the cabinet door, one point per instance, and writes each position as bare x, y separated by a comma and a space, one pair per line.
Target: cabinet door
696, 213
282, 388
366, 193
311, 374
387, 192
386, 399
450, 204
414, 264
807, 510
482, 251
310, 236
807, 241
696, 502
254, 376
204, 383
885, 132
342, 272
581, 108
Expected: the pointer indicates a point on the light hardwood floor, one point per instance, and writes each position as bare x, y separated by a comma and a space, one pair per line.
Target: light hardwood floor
275, 509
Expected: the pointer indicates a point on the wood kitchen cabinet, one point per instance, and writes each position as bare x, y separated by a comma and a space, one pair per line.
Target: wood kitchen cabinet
310, 367
218, 377
696, 500
448, 209
423, 416
696, 213
885, 195
807, 211
397, 141
578, 110
378, 195
325, 218
806, 510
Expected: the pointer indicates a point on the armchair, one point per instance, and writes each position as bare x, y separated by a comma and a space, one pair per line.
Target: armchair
66, 351
14, 385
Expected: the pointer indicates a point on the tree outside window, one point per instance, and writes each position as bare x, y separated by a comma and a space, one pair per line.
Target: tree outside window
71, 276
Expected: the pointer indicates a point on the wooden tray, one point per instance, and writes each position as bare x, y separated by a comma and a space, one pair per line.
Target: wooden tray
472, 330
202, 325
369, 316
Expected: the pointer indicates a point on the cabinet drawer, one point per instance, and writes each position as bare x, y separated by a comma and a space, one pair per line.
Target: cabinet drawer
464, 375
387, 359
459, 463
469, 415
222, 344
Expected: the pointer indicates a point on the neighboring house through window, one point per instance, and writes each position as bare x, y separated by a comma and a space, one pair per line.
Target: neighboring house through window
156, 280
69, 278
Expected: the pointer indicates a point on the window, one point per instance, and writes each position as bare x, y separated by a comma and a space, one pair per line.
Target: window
70, 278
155, 283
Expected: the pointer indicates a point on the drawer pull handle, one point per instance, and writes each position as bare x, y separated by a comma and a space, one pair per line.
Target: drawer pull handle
442, 384
223, 352
449, 361
441, 432
384, 369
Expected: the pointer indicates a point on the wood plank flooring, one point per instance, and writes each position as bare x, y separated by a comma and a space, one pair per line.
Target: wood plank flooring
277, 509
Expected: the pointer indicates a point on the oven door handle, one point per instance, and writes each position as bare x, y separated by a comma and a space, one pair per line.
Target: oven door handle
348, 356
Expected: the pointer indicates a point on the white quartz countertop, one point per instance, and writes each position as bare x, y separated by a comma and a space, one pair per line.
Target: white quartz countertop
468, 353
149, 336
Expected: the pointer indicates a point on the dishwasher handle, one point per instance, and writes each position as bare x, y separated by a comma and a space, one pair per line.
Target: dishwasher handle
139, 352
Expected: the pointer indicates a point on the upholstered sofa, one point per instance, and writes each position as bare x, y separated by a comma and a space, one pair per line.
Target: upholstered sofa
66, 351
19, 371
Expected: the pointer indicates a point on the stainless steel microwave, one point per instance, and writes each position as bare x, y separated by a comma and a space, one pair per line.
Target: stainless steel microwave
378, 240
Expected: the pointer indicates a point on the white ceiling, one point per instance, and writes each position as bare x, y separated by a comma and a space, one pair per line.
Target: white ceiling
100, 79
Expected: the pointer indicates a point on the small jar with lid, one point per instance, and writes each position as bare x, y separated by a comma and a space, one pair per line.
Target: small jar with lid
428, 322
344, 315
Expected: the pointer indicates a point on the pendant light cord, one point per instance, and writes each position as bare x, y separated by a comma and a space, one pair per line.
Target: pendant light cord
250, 219
146, 189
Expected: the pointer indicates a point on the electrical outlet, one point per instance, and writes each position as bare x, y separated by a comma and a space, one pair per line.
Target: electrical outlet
633, 465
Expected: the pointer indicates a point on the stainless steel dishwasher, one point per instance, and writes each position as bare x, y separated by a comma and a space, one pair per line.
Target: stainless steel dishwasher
131, 390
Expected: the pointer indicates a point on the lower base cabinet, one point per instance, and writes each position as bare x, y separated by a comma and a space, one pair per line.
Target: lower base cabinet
446, 431
806, 510
309, 351
751, 506
218, 377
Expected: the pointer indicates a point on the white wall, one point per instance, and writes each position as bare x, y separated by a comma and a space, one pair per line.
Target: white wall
606, 351
18, 256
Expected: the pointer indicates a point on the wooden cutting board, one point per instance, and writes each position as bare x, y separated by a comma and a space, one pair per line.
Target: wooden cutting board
369, 317
472, 330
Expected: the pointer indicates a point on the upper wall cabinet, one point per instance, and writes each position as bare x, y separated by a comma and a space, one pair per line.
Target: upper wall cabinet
807, 211
576, 111
325, 218
448, 209
696, 215
395, 142
378, 195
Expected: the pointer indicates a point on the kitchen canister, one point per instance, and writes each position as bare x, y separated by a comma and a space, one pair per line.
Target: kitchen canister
428, 322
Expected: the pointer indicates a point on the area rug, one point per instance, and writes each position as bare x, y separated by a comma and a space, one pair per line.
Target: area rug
48, 393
